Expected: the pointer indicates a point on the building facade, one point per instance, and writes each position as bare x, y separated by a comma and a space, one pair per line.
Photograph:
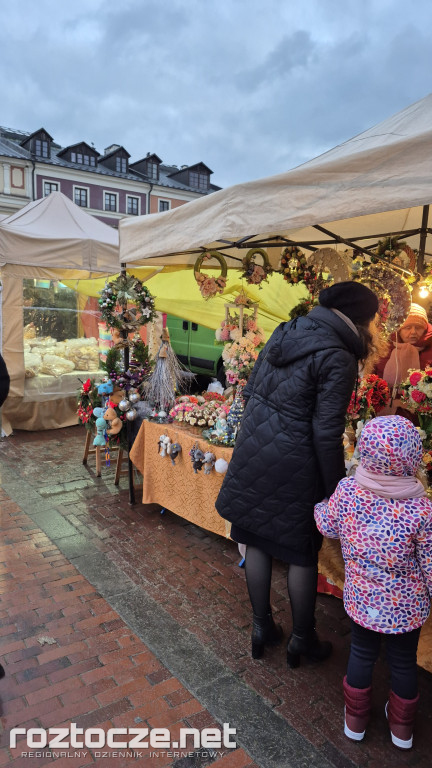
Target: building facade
108, 185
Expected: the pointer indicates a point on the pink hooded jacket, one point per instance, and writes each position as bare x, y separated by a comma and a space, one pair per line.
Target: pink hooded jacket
386, 542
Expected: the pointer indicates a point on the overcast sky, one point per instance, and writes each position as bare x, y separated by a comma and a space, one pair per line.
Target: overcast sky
249, 87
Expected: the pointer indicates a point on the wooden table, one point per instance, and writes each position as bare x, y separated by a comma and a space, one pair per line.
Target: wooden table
177, 487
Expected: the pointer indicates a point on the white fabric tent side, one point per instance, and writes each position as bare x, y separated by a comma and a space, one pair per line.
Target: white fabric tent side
374, 184
48, 239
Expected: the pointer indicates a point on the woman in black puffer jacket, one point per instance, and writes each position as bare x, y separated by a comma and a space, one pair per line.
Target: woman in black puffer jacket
289, 455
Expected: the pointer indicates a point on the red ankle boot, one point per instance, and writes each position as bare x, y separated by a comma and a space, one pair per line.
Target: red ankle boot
401, 715
357, 710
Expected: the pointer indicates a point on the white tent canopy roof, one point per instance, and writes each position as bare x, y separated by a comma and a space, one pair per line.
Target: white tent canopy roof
55, 233
373, 185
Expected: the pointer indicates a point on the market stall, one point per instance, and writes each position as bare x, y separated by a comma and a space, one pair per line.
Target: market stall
368, 195
50, 336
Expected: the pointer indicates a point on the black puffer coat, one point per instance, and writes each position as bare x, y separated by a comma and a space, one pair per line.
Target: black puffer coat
289, 452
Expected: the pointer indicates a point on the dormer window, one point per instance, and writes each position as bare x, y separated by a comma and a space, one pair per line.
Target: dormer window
198, 180
41, 148
148, 166
38, 143
152, 170
81, 154
121, 164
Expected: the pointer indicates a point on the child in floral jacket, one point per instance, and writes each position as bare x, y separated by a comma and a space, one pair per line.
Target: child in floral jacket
383, 519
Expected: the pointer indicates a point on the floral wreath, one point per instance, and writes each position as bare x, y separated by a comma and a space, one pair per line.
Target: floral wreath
210, 286
393, 293
114, 300
254, 273
293, 265
391, 249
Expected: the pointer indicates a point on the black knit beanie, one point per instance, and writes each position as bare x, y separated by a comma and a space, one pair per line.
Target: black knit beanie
353, 299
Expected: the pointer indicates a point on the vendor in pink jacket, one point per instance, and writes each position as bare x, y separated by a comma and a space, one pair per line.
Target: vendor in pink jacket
383, 519
410, 347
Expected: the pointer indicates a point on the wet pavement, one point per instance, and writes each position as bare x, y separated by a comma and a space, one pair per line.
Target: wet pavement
114, 615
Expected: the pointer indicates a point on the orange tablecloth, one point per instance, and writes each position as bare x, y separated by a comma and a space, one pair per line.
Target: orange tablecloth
177, 487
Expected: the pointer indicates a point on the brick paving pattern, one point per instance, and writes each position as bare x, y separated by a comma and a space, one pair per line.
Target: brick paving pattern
99, 673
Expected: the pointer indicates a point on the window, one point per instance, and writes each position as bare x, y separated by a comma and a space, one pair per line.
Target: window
73, 157
163, 205
198, 180
81, 196
152, 170
49, 187
41, 148
133, 206
121, 165
110, 202
79, 158
92, 160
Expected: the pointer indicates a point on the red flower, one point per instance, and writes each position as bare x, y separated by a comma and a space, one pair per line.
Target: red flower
415, 378
428, 372
87, 386
418, 396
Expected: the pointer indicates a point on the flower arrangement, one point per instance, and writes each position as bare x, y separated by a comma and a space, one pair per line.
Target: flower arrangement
417, 395
254, 273
240, 355
88, 399
199, 411
210, 286
116, 298
371, 395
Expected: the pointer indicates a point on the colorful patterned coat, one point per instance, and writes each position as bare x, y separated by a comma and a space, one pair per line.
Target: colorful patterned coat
386, 543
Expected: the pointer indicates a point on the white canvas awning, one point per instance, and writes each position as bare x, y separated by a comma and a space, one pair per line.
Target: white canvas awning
373, 185
55, 233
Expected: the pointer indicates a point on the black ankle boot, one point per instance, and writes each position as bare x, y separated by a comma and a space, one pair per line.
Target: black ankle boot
309, 646
264, 632
2, 671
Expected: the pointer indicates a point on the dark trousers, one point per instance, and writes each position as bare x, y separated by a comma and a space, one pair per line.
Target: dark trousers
401, 653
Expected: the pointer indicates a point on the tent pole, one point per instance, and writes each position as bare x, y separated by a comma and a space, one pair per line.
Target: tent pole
423, 235
128, 424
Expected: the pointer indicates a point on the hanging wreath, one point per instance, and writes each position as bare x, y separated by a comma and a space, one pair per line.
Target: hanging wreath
254, 273
397, 252
294, 266
393, 293
210, 286
115, 299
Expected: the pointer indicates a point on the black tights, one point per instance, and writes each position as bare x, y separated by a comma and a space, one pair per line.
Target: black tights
302, 589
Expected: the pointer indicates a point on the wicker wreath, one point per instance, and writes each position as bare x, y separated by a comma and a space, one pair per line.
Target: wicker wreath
254, 273
210, 286
116, 298
393, 293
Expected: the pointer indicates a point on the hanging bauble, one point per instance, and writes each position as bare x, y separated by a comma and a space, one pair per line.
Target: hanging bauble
131, 415
124, 405
134, 397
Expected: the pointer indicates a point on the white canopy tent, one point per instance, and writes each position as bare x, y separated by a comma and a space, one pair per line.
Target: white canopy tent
49, 239
376, 184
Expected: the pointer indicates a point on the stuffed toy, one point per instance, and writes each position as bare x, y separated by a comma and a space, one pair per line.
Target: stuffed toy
164, 445
173, 451
98, 412
116, 423
105, 388
197, 458
116, 396
209, 462
101, 426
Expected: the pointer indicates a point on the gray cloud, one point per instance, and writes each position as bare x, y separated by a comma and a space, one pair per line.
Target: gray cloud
249, 88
